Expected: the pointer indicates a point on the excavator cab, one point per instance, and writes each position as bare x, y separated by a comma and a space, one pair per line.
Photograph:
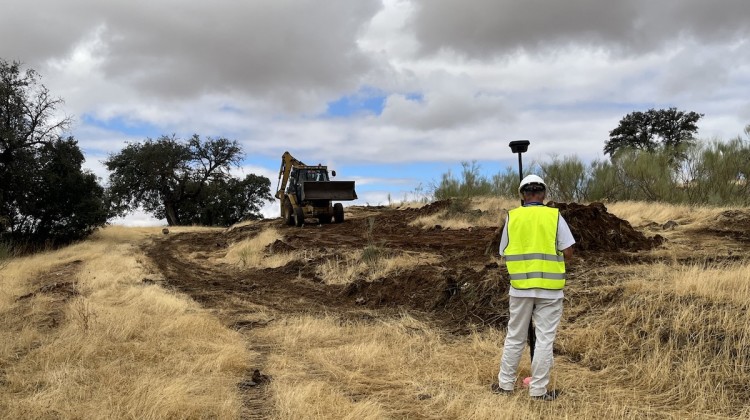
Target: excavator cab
317, 175
300, 177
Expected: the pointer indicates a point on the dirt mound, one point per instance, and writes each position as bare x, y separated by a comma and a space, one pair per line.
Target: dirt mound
595, 229
279, 247
733, 224
432, 208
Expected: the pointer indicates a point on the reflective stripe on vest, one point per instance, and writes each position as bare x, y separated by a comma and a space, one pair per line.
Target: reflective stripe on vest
531, 255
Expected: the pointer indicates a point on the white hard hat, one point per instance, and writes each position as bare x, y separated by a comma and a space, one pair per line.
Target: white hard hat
531, 179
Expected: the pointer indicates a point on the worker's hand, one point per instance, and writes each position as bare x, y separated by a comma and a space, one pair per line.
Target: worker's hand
568, 252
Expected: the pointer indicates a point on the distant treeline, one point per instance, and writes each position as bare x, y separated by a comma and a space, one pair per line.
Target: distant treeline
713, 173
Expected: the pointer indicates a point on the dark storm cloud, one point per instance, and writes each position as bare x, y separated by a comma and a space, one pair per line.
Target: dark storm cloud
490, 27
181, 48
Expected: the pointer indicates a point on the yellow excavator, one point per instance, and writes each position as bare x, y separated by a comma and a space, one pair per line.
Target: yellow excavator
307, 192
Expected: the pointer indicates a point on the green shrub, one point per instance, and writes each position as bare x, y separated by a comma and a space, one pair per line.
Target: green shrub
567, 179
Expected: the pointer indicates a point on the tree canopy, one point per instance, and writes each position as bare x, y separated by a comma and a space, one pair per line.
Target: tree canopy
667, 129
225, 201
45, 196
186, 182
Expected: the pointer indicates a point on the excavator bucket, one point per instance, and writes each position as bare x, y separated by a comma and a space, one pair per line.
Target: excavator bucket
328, 190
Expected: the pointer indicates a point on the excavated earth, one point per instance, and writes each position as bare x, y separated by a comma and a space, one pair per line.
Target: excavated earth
466, 287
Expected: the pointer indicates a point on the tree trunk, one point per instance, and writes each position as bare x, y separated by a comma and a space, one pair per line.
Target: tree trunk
170, 211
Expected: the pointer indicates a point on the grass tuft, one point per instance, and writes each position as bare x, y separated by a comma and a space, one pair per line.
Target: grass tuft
251, 252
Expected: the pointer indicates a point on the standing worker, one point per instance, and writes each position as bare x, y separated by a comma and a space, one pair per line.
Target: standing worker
535, 242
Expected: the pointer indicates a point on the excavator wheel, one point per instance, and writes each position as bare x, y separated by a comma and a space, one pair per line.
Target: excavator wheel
288, 213
338, 213
299, 217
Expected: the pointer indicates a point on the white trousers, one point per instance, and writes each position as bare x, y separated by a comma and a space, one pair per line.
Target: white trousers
546, 314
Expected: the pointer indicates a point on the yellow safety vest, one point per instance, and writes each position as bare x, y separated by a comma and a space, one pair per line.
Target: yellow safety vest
531, 256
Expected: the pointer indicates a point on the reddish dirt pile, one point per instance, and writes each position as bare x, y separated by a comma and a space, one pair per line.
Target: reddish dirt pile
594, 229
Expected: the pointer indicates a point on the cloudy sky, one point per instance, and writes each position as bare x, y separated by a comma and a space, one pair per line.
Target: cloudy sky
390, 93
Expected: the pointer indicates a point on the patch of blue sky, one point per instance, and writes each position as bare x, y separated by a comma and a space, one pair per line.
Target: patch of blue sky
424, 175
122, 125
365, 101
231, 109
415, 97
262, 161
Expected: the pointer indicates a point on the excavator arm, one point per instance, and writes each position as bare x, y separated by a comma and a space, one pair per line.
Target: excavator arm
287, 163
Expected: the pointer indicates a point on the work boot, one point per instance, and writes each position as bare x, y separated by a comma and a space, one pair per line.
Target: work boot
497, 390
548, 396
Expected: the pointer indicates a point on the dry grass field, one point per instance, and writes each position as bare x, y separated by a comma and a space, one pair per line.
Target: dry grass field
397, 313
84, 335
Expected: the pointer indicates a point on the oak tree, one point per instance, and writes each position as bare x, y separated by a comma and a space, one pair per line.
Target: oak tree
668, 129
45, 195
180, 180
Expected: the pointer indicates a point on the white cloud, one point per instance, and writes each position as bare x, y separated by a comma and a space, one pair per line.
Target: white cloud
446, 109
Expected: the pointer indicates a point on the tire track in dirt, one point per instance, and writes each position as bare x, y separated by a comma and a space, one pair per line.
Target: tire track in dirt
209, 285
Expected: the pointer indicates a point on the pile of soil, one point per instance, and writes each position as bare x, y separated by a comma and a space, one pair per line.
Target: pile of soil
595, 229
279, 247
734, 224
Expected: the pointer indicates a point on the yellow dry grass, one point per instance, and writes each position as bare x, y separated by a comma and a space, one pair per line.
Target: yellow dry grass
668, 340
663, 339
639, 213
728, 282
403, 368
408, 204
371, 263
689, 347
117, 348
480, 211
251, 252
494, 210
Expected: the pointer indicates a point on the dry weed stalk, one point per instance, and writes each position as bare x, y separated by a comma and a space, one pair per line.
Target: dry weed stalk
83, 313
